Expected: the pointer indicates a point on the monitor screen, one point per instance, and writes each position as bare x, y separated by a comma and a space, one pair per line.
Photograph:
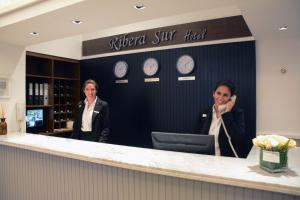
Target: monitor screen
34, 118
191, 143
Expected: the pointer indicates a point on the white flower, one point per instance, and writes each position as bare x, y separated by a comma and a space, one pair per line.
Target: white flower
292, 143
273, 141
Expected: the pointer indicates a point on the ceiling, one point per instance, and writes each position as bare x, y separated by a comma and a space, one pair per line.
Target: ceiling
52, 18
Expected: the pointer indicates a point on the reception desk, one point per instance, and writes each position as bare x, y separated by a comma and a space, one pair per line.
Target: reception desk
43, 167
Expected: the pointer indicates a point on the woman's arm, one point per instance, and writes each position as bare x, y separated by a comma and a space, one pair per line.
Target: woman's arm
235, 125
105, 125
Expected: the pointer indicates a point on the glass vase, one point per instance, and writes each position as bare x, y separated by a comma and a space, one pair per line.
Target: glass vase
273, 161
3, 126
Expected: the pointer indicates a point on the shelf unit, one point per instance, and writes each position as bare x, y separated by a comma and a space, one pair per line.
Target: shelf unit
63, 78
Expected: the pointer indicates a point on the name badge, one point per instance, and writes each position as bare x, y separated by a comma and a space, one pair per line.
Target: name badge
95, 111
204, 115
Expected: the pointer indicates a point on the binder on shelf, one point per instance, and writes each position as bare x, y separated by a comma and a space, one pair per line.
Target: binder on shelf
30, 94
56, 85
36, 93
41, 98
46, 97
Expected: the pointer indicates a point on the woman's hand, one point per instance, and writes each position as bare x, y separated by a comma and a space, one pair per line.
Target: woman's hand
217, 110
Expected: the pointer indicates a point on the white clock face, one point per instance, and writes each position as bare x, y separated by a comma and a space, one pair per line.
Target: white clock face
120, 69
185, 64
150, 66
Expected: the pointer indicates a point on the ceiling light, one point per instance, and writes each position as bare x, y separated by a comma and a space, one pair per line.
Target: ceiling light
77, 21
139, 7
283, 28
34, 33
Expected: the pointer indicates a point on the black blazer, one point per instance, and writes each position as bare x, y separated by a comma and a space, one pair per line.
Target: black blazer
100, 122
235, 125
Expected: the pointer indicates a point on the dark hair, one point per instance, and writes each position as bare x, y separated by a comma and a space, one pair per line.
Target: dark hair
90, 81
228, 84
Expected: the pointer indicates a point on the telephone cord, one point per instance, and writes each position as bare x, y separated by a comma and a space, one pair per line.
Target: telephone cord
229, 138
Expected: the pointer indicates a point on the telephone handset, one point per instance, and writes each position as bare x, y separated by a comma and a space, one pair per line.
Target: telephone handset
222, 108
233, 98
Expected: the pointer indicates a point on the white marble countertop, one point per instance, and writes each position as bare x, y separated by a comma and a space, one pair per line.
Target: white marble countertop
221, 170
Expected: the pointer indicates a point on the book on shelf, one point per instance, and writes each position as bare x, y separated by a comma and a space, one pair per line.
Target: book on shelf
46, 94
41, 97
36, 93
30, 94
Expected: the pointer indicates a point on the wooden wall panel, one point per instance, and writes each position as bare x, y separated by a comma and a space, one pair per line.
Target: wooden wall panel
137, 108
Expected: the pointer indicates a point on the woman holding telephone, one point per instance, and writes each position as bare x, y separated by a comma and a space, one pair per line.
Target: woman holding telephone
224, 121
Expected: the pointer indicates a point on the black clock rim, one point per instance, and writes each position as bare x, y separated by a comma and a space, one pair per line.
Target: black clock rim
157, 69
114, 72
179, 59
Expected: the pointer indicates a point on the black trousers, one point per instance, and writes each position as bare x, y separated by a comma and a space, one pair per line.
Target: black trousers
87, 136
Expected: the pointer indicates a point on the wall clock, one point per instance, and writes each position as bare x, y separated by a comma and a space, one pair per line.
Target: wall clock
120, 69
185, 64
150, 66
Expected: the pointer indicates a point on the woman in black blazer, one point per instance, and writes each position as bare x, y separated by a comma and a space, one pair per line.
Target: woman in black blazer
92, 120
233, 118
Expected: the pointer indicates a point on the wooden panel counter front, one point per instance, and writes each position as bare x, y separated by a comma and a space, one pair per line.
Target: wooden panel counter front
43, 167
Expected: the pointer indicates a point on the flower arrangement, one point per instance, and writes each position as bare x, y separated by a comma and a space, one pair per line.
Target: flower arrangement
274, 152
274, 142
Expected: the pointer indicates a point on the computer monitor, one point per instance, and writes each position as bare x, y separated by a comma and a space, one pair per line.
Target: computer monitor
34, 120
191, 143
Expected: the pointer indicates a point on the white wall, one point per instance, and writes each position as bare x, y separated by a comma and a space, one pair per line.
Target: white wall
67, 47
278, 94
12, 65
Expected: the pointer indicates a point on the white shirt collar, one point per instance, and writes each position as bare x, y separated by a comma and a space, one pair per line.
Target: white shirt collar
92, 104
87, 115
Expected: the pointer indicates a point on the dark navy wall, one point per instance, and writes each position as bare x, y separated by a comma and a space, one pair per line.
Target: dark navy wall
137, 108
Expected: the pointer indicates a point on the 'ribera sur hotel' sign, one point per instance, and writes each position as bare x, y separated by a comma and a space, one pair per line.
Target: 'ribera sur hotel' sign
121, 42
216, 29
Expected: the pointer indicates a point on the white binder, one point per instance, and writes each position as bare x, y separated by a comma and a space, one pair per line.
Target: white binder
46, 97
41, 98
36, 93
